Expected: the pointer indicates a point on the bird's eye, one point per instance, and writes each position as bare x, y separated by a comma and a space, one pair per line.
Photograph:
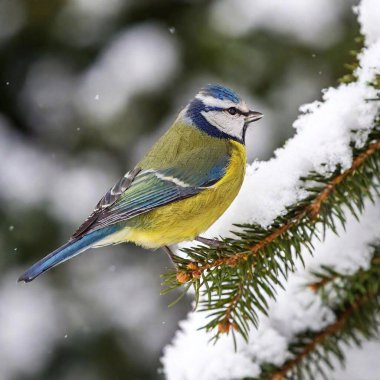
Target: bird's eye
232, 111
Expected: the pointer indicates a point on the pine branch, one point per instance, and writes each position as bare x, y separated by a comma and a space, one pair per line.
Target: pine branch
239, 276
356, 305
332, 285
310, 211
333, 332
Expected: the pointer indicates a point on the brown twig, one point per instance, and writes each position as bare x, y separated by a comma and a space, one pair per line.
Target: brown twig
312, 211
315, 286
225, 325
319, 338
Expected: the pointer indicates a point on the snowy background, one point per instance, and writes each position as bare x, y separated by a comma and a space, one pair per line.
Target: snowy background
86, 87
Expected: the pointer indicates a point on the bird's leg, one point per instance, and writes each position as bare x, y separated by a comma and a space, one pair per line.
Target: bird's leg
170, 254
210, 242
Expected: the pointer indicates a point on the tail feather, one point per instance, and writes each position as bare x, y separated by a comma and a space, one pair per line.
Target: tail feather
62, 254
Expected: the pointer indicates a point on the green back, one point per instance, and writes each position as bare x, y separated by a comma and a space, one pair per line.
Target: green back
186, 148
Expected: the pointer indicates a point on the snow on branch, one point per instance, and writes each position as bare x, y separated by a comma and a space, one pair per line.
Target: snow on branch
355, 301
299, 311
319, 183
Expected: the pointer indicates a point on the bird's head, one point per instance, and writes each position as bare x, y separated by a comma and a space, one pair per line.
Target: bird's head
220, 112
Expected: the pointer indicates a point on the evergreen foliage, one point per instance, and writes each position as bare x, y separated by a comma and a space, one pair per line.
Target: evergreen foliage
355, 300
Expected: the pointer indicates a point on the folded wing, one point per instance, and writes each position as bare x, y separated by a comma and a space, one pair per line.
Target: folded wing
140, 191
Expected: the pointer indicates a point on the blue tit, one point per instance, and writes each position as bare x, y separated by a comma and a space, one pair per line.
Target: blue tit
179, 189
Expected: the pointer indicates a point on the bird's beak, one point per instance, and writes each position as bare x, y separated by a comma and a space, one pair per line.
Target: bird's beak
253, 116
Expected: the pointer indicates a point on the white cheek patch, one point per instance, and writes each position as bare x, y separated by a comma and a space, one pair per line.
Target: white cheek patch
232, 126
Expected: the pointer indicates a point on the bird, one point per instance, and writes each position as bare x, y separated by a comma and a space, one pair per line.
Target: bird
178, 190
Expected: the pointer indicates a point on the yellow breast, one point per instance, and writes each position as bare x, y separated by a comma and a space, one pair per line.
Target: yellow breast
187, 218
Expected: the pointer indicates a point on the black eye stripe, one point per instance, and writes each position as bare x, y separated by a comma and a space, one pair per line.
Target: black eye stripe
234, 111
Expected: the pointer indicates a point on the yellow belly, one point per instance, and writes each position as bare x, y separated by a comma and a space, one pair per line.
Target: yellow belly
187, 218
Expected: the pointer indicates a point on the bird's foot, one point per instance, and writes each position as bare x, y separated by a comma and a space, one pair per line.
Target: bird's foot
171, 255
210, 242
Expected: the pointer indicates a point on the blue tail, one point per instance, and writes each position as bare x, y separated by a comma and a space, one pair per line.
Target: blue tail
64, 253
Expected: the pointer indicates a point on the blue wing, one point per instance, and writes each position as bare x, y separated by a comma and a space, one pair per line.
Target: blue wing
141, 191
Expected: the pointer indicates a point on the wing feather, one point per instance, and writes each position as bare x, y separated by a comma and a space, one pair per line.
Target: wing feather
140, 191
